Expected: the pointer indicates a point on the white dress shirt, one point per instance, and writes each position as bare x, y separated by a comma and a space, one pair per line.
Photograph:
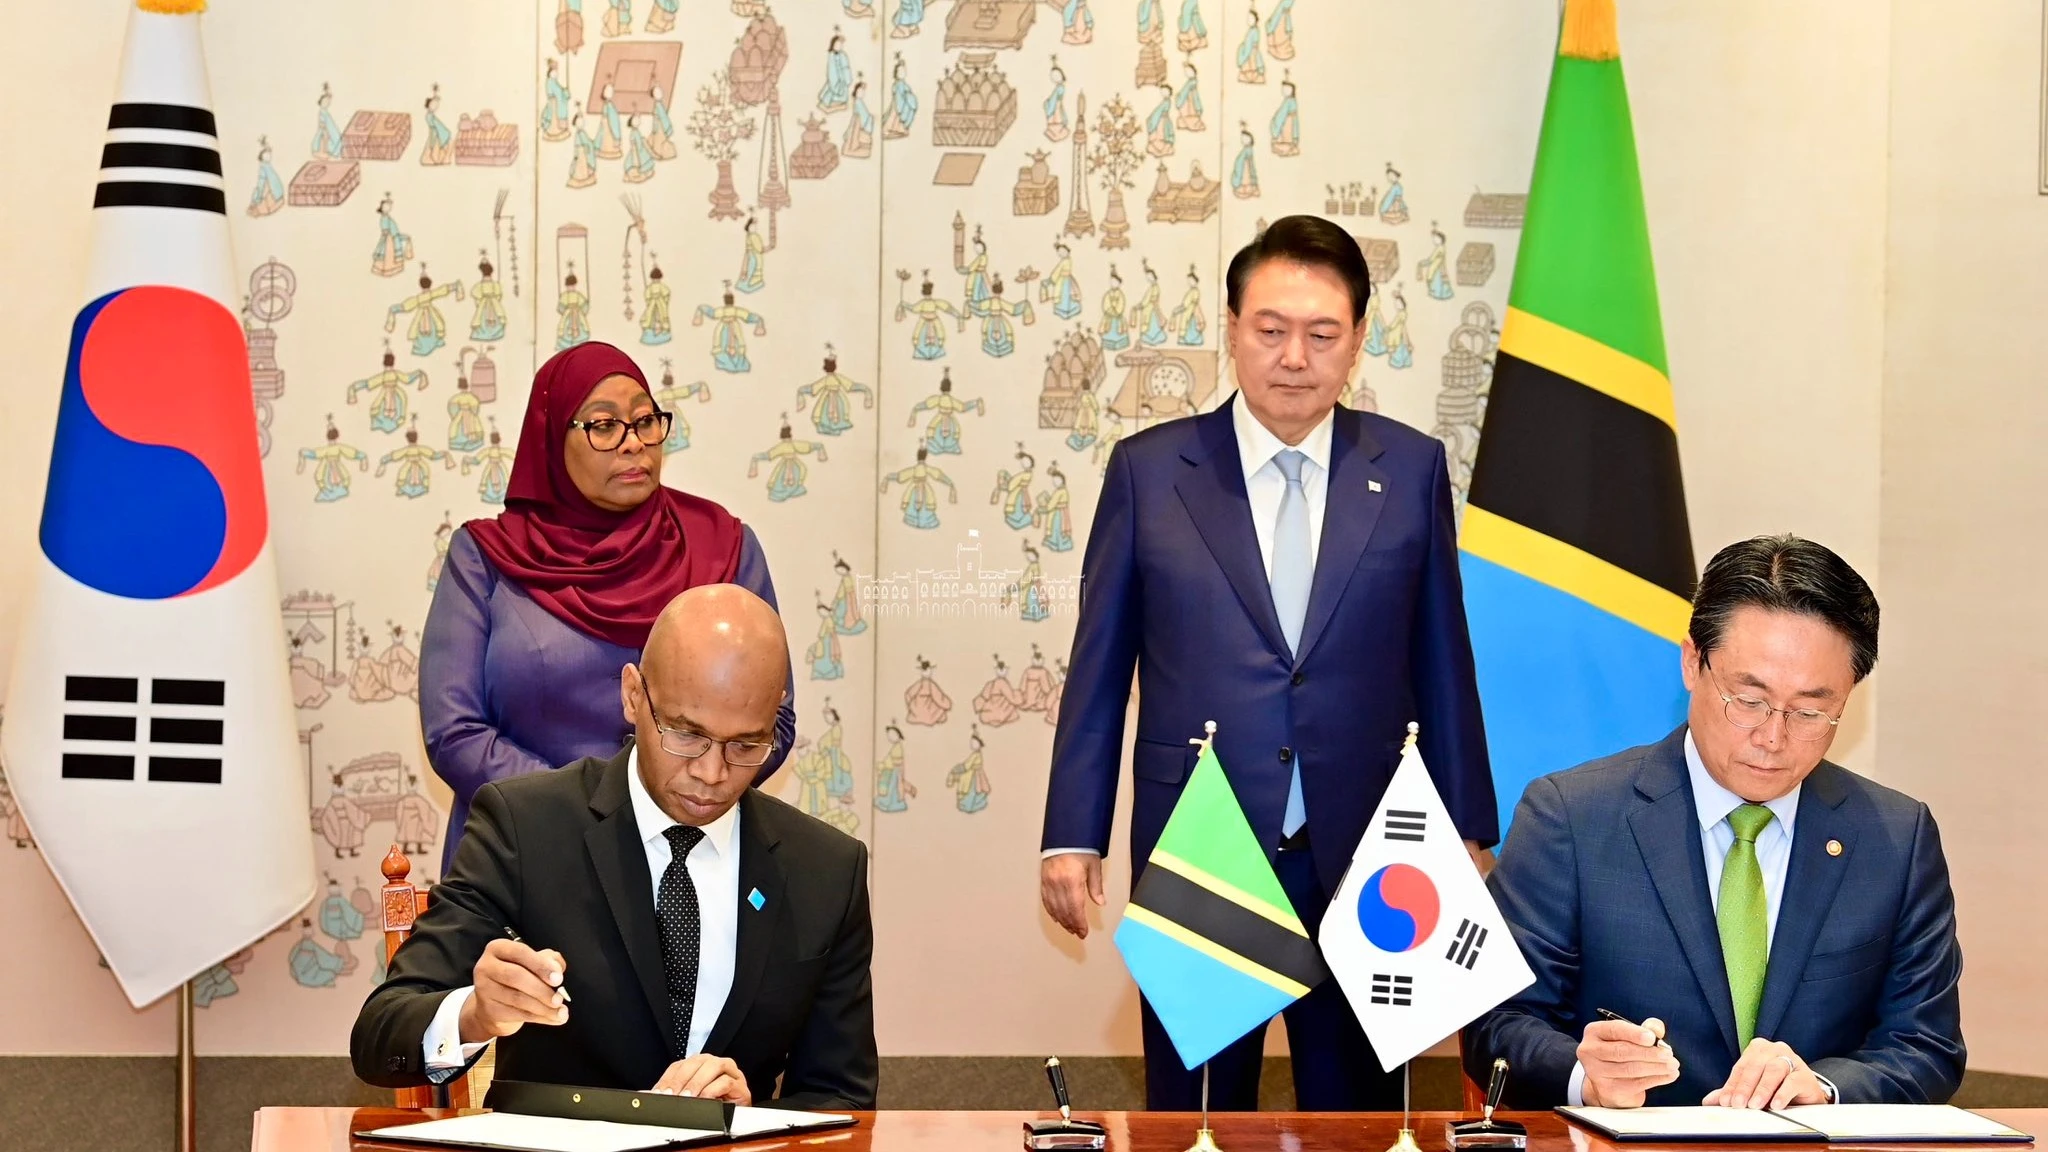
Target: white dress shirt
1263, 487
714, 869
1711, 804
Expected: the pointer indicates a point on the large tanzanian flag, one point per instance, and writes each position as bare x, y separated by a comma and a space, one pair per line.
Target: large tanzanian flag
1577, 558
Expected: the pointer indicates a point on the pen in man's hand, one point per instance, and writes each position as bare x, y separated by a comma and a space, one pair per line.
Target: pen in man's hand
514, 937
1058, 1076
1610, 1014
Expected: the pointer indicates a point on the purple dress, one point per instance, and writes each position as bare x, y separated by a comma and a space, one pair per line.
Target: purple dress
508, 688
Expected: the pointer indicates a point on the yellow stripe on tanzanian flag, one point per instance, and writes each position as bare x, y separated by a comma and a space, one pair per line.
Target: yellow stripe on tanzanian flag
1285, 918
1569, 570
1575, 357
1292, 988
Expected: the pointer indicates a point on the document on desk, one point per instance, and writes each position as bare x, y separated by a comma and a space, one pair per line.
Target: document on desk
1817, 1123
513, 1132
1690, 1124
1901, 1124
750, 1122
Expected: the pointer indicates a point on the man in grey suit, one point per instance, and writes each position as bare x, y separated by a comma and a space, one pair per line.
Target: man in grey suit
1773, 929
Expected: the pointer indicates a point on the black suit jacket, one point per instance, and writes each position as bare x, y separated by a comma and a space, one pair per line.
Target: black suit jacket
558, 856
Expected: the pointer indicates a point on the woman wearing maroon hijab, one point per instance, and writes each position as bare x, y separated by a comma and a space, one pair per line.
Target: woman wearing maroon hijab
538, 609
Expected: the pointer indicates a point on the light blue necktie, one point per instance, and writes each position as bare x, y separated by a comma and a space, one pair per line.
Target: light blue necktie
1293, 572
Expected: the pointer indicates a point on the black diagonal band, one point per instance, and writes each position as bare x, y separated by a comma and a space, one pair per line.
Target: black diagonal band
1584, 469
1231, 926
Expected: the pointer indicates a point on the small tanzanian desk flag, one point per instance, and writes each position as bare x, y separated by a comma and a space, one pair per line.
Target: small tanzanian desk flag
1209, 935
1577, 557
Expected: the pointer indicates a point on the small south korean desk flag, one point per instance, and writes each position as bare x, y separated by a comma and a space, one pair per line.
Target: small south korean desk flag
1412, 935
150, 737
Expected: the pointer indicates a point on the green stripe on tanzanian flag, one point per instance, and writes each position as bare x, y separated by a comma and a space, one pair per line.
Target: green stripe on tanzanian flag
1584, 260
1208, 830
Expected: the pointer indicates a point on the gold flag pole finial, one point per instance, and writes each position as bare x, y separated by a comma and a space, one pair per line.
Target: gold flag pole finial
172, 7
1208, 736
1413, 730
1588, 32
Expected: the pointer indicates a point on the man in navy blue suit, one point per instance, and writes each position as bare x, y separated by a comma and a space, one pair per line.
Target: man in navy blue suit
1289, 569
1773, 928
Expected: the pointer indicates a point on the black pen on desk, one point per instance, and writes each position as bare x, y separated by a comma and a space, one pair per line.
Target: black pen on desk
1495, 1087
1058, 1076
514, 937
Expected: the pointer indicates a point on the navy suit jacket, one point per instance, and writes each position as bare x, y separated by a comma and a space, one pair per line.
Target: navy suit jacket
1604, 884
1173, 583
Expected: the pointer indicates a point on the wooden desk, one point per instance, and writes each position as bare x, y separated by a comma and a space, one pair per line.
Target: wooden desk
328, 1129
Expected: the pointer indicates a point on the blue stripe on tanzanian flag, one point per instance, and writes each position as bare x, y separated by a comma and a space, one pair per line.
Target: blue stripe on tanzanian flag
1563, 682
1204, 1004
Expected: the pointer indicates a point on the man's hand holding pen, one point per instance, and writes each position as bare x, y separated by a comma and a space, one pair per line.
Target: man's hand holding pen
515, 986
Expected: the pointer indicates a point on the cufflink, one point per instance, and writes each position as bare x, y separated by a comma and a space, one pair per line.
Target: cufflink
395, 1064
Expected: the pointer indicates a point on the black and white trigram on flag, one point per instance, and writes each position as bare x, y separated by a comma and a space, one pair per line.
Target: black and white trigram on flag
1398, 991
177, 732
1406, 824
1465, 946
1412, 935
151, 744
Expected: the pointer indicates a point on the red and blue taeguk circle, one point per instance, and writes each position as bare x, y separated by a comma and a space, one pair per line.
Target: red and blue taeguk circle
1398, 908
156, 481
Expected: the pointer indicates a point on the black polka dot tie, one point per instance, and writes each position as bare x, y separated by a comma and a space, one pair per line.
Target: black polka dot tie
682, 930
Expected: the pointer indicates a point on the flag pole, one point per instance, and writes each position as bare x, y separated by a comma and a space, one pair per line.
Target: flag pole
1205, 1138
1405, 1142
188, 1086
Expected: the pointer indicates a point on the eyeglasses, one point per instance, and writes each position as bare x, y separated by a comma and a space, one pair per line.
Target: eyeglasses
691, 745
606, 433
1750, 712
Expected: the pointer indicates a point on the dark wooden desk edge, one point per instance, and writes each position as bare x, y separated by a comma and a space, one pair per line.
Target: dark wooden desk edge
1547, 1130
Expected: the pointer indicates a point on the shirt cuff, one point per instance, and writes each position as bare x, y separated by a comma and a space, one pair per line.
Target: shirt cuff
1575, 1092
1834, 1093
1049, 853
442, 1046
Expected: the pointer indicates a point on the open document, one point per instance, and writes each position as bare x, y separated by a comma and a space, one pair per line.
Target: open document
1820, 1123
564, 1118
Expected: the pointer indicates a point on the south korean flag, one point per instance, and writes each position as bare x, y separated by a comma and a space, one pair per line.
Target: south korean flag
1412, 935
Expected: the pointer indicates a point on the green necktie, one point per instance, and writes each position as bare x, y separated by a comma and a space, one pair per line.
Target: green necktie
1745, 921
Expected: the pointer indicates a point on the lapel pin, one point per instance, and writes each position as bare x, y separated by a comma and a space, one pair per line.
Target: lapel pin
758, 901
1372, 485
1834, 847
